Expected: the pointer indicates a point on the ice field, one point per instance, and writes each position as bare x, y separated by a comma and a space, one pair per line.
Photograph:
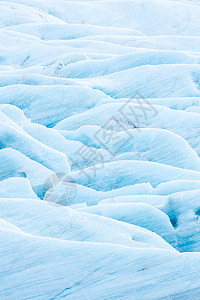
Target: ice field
100, 149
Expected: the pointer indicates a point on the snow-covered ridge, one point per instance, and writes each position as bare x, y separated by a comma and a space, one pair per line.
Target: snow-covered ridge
99, 149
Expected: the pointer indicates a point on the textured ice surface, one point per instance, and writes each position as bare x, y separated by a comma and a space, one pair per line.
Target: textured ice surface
99, 149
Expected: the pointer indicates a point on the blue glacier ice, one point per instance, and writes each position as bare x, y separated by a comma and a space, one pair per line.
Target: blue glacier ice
100, 149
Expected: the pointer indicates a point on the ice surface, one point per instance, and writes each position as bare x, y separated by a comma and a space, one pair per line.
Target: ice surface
99, 149
16, 187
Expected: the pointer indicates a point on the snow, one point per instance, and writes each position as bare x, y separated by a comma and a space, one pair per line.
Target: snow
77, 269
99, 149
145, 144
140, 214
122, 173
17, 139
67, 224
24, 190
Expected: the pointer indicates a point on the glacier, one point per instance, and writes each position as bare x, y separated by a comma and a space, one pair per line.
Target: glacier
100, 149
